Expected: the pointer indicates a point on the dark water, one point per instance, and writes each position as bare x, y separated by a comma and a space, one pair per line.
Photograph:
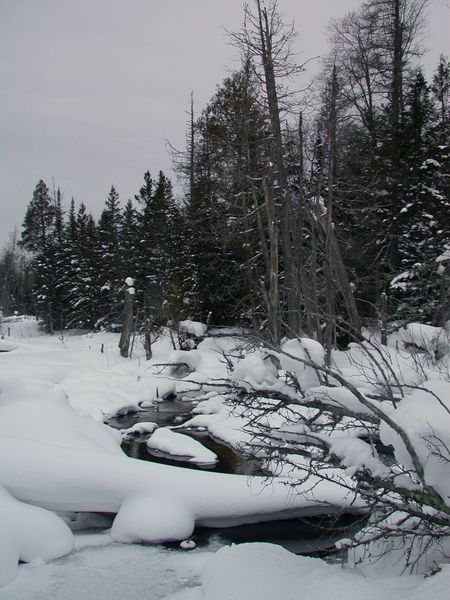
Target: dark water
313, 536
174, 412
310, 536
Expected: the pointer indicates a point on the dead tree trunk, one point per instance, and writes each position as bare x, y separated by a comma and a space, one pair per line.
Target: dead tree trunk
148, 339
266, 33
330, 303
127, 328
274, 299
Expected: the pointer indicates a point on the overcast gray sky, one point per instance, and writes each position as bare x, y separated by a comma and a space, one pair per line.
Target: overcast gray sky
91, 90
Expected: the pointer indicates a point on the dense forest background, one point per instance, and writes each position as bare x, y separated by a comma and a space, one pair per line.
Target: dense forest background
314, 212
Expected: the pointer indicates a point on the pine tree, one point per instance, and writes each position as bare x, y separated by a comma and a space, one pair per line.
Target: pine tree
108, 261
151, 227
424, 222
128, 241
82, 284
42, 235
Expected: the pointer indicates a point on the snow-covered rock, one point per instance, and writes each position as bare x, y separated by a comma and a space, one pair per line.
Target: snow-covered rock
142, 428
181, 446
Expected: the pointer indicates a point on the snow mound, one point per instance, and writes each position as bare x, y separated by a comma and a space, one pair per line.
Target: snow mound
425, 417
255, 371
303, 349
179, 445
152, 518
262, 571
195, 328
28, 533
434, 340
140, 428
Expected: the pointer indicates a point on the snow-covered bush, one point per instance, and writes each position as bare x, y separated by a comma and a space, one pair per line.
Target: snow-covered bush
377, 421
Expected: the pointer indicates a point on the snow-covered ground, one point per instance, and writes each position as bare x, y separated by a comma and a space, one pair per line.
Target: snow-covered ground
57, 457
243, 572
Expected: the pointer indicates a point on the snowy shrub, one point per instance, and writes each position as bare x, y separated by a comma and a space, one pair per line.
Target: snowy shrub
376, 422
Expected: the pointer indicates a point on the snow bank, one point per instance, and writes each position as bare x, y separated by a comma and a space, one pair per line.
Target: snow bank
399, 554
434, 340
139, 429
304, 349
20, 327
57, 459
425, 417
255, 371
28, 533
267, 572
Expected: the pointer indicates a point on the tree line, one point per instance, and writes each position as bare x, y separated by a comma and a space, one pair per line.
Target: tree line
312, 213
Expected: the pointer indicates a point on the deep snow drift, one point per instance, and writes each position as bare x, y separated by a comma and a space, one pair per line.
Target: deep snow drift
61, 460
57, 457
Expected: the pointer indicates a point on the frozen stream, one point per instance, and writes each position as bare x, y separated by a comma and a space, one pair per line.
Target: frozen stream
311, 536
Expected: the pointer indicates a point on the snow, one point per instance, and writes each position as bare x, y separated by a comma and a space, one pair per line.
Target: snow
193, 328
425, 416
61, 459
255, 371
267, 572
108, 572
29, 534
431, 339
182, 446
357, 454
56, 454
139, 428
397, 554
304, 349
129, 281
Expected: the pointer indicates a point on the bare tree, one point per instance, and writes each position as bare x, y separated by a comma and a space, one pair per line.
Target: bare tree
332, 428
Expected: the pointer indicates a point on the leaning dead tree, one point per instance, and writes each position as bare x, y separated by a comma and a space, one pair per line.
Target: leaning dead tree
363, 434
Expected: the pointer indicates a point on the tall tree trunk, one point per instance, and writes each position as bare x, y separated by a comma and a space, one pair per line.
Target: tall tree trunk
127, 328
330, 292
274, 300
290, 287
304, 291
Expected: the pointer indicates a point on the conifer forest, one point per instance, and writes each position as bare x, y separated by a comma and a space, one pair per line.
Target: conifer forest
311, 212
226, 384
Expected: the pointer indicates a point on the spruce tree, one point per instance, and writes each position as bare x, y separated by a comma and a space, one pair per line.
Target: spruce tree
108, 262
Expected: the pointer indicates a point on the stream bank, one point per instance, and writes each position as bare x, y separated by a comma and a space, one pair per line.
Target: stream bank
313, 536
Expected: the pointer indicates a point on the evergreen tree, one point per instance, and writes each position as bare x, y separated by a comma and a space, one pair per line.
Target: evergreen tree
151, 227
42, 234
424, 221
82, 285
108, 261
128, 240
16, 279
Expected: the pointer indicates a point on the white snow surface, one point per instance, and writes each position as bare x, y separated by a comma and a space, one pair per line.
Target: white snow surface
303, 349
57, 455
193, 328
167, 441
425, 416
268, 572
139, 428
28, 533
